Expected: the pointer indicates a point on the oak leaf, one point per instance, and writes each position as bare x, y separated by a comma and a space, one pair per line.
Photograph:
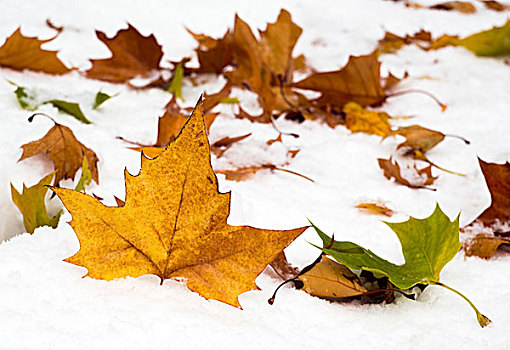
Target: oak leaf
32, 205
21, 52
174, 225
359, 81
64, 150
133, 55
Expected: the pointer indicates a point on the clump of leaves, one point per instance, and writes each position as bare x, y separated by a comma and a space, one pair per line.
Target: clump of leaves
64, 150
174, 225
427, 245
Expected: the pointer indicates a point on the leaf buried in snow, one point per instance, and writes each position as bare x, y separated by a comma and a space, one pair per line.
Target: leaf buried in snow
484, 245
392, 170
64, 150
21, 52
459, 6
358, 119
283, 268
175, 87
244, 173
101, 98
71, 108
25, 100
427, 246
223, 144
375, 208
391, 42
32, 205
174, 225
495, 5
497, 177
133, 55
359, 81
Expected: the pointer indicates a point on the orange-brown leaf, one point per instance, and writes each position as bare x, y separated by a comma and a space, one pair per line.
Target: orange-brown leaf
459, 6
484, 245
213, 54
21, 52
497, 177
359, 81
133, 55
64, 150
174, 225
277, 43
418, 137
375, 208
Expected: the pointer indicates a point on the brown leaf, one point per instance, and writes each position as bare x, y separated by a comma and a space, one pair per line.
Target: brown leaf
244, 173
171, 123
212, 100
418, 137
375, 208
359, 81
174, 225
213, 54
358, 119
427, 172
497, 177
220, 146
392, 170
330, 280
459, 6
495, 5
21, 52
64, 150
391, 43
277, 43
133, 55
484, 245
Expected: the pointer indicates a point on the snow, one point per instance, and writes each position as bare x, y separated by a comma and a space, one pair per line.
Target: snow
45, 302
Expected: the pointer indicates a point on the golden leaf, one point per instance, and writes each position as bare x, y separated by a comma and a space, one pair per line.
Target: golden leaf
174, 225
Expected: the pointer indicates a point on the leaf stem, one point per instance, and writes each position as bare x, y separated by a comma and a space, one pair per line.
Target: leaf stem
419, 91
483, 320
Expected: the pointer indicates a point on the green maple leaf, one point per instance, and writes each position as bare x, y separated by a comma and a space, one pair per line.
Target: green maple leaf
32, 205
427, 245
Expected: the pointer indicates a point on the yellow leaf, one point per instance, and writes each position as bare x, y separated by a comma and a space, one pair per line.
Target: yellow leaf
358, 119
174, 225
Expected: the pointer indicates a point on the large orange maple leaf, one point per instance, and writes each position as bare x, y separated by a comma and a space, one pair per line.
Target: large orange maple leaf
174, 224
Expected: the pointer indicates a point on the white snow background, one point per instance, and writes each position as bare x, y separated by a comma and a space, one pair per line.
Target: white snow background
46, 304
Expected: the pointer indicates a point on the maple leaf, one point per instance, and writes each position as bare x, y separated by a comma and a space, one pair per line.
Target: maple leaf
174, 225
32, 205
133, 55
497, 177
358, 119
359, 81
64, 150
427, 246
21, 52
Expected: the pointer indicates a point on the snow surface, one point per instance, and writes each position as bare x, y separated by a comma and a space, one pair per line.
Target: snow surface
45, 302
